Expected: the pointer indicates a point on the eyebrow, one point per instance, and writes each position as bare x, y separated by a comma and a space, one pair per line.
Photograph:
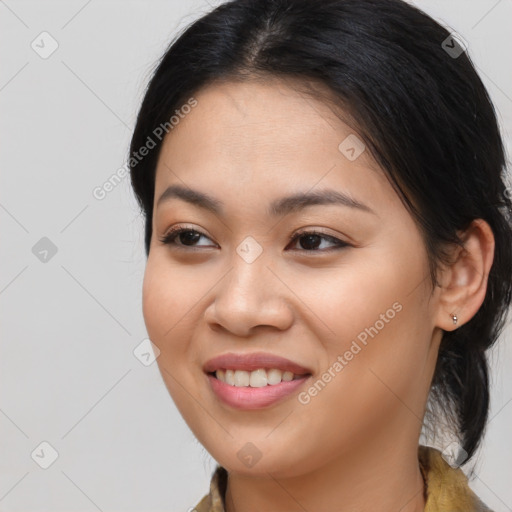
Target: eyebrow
279, 207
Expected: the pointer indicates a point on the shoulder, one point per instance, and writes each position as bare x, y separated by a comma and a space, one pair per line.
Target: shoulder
214, 500
447, 487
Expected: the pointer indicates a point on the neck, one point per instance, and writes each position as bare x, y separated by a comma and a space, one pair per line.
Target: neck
364, 479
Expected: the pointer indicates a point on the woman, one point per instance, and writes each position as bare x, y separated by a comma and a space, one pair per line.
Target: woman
329, 242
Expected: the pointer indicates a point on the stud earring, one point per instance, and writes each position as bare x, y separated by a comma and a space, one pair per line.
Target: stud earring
454, 317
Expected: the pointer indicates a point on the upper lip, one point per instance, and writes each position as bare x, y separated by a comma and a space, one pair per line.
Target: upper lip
253, 361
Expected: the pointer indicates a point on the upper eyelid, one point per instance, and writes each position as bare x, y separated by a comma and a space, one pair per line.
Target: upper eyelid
176, 230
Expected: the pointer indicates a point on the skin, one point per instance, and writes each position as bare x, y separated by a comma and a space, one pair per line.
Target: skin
355, 443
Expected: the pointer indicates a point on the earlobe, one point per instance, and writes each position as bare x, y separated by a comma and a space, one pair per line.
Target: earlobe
464, 281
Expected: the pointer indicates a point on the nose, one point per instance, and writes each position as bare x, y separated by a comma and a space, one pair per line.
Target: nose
249, 296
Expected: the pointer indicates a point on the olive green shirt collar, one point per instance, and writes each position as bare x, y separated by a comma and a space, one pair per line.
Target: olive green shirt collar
447, 488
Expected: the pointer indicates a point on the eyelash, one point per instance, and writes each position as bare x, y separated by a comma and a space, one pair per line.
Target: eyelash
170, 239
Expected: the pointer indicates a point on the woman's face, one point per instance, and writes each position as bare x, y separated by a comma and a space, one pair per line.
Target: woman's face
351, 306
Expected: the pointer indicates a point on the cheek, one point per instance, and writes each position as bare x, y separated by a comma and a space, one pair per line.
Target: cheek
366, 388
350, 299
168, 300
376, 312
169, 297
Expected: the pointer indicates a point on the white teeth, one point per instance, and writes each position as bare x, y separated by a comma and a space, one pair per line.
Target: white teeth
287, 376
258, 378
242, 378
274, 376
255, 379
230, 377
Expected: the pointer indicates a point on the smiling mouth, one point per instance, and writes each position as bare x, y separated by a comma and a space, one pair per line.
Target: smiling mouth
257, 378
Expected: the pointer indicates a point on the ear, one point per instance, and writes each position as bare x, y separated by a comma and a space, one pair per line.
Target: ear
464, 282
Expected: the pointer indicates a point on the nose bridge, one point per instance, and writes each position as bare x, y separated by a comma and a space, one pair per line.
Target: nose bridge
248, 284
250, 294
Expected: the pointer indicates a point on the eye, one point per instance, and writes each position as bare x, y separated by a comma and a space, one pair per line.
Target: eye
310, 241
187, 237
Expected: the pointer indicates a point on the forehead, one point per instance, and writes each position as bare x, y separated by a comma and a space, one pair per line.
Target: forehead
246, 117
267, 135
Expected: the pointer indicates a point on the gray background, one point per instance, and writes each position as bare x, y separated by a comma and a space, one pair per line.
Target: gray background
70, 324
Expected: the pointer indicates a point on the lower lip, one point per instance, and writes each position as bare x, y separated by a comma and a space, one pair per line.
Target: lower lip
254, 398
